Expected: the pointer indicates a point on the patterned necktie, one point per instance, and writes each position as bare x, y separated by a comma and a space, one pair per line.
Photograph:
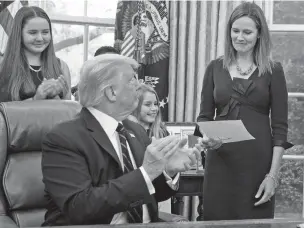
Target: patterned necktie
135, 214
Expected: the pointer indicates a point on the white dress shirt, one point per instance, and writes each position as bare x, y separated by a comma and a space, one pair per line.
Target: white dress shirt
109, 125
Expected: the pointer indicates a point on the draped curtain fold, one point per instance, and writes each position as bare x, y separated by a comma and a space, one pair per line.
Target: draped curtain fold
197, 36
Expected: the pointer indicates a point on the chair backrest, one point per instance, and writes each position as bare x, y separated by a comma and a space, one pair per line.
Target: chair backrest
22, 128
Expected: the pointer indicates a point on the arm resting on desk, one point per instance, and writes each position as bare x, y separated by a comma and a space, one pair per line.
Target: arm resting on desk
7, 222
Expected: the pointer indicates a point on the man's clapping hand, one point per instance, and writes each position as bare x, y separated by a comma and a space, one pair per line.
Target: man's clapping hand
158, 153
168, 154
182, 159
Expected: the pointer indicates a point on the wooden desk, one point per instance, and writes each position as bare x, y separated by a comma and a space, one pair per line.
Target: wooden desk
262, 223
191, 184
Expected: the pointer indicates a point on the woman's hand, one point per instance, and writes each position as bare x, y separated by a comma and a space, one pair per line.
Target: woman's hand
267, 187
210, 143
48, 88
62, 85
41, 93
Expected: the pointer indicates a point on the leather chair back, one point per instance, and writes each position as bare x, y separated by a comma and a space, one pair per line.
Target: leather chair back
22, 128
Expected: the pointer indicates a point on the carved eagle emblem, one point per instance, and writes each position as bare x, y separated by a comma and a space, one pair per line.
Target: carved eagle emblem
149, 22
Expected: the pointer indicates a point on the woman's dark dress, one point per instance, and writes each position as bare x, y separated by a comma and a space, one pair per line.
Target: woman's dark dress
234, 172
37, 79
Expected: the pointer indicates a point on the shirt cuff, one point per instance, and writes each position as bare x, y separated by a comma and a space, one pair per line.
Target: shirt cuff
286, 145
147, 180
173, 184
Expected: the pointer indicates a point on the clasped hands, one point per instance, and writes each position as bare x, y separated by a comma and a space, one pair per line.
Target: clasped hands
168, 154
51, 88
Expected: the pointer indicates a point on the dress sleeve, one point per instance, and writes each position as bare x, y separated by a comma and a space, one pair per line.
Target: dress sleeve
279, 107
207, 107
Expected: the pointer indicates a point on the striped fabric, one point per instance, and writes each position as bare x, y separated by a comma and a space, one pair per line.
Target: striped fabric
128, 45
8, 10
135, 214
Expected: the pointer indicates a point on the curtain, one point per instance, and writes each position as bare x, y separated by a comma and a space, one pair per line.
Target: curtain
197, 36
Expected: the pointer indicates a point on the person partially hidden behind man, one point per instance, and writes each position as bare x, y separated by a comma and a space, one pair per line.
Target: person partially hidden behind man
100, 51
101, 168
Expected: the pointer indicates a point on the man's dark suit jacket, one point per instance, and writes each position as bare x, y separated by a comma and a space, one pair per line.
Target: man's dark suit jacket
83, 178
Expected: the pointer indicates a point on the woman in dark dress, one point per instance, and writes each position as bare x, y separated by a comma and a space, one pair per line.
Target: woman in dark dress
29, 68
241, 178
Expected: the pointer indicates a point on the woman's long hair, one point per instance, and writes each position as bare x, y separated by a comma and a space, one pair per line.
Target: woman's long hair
157, 128
262, 49
14, 70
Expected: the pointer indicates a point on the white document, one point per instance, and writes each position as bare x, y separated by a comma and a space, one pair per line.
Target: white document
226, 130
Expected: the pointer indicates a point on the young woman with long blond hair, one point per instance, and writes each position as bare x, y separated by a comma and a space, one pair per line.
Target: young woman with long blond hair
148, 113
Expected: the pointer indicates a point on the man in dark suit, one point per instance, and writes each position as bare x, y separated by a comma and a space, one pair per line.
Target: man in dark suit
100, 168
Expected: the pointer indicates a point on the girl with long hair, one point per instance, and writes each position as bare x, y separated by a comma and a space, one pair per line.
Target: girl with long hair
148, 113
30, 68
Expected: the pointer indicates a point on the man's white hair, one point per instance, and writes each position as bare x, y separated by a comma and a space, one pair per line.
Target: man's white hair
98, 73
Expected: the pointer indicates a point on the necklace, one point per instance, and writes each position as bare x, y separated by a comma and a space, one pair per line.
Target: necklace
244, 73
34, 69
37, 72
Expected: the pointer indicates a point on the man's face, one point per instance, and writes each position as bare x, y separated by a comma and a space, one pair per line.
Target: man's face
126, 87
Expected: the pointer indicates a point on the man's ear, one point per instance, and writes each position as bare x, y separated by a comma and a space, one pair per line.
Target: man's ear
110, 93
